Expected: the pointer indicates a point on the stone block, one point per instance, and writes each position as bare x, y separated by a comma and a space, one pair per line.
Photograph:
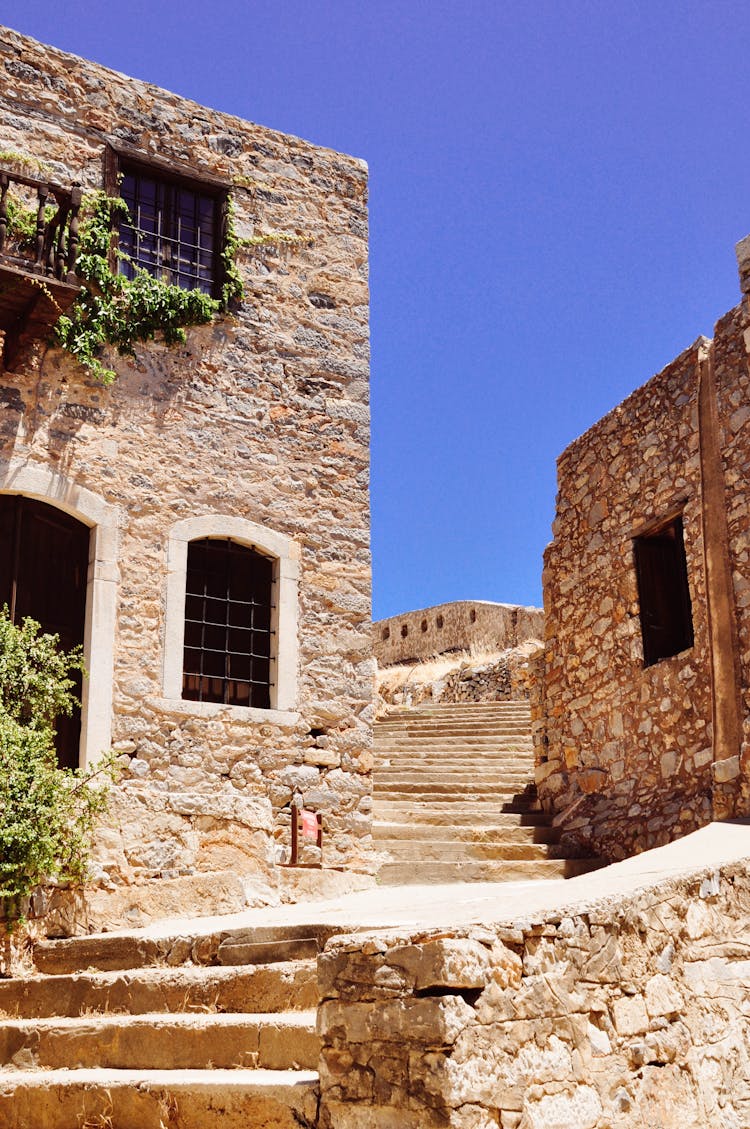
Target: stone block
630, 1016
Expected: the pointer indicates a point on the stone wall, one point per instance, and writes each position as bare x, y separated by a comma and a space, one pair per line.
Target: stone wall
460, 626
630, 755
260, 418
505, 678
634, 741
628, 1012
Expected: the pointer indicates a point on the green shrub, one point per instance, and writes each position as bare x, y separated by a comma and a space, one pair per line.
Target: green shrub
47, 814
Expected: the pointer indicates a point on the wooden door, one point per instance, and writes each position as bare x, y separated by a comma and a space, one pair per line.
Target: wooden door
43, 573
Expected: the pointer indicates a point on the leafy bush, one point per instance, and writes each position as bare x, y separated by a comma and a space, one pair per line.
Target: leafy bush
47, 814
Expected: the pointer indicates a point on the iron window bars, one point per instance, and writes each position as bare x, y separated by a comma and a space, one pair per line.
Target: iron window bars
228, 624
172, 231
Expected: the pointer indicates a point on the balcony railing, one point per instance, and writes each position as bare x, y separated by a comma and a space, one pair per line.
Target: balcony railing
54, 248
38, 281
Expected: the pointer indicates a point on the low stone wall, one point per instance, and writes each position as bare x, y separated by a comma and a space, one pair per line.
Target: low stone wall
630, 1012
506, 679
459, 626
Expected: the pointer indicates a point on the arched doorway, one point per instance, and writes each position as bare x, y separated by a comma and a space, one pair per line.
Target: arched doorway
44, 554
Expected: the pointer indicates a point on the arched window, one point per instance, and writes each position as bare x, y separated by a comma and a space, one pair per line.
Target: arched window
230, 634
228, 624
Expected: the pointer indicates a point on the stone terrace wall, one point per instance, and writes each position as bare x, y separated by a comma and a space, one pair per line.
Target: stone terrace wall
505, 679
262, 416
635, 742
459, 626
629, 1013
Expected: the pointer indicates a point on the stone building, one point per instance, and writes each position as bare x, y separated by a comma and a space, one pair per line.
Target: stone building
201, 525
642, 707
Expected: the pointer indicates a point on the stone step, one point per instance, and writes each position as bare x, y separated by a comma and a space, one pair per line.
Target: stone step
486, 775
460, 709
285, 1041
473, 714
436, 749
290, 986
452, 780
467, 814
456, 733
424, 794
112, 951
432, 769
426, 746
449, 850
152, 1099
464, 833
448, 771
429, 873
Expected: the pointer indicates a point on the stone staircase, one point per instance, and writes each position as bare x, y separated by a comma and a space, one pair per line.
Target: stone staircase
454, 798
184, 1032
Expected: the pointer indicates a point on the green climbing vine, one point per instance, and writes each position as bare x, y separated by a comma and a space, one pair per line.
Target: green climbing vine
114, 310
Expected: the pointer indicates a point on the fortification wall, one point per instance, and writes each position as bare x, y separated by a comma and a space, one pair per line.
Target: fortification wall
459, 626
260, 418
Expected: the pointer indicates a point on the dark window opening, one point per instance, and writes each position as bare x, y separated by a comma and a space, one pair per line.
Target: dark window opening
228, 624
664, 593
173, 231
43, 575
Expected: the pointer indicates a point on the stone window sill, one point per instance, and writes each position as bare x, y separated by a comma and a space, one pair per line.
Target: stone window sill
217, 709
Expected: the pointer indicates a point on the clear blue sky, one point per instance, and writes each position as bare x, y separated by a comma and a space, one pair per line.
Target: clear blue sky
556, 190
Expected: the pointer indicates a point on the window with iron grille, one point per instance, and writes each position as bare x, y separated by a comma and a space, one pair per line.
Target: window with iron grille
228, 624
663, 592
173, 230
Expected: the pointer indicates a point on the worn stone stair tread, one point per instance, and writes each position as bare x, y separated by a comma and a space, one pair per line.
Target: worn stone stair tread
158, 1041
470, 814
489, 799
120, 951
286, 986
463, 832
413, 873
159, 1099
450, 850
262, 952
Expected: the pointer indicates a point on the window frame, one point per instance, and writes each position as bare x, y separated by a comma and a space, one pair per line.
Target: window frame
119, 160
663, 585
228, 629
285, 554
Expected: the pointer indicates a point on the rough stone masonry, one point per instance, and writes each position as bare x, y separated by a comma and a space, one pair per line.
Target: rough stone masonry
626, 1011
637, 748
255, 430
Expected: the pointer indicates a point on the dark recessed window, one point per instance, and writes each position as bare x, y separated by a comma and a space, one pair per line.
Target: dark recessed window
228, 624
663, 592
172, 232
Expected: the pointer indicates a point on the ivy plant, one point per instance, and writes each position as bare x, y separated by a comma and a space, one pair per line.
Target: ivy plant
47, 814
114, 310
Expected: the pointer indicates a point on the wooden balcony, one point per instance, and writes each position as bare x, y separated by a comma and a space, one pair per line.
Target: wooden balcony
37, 270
